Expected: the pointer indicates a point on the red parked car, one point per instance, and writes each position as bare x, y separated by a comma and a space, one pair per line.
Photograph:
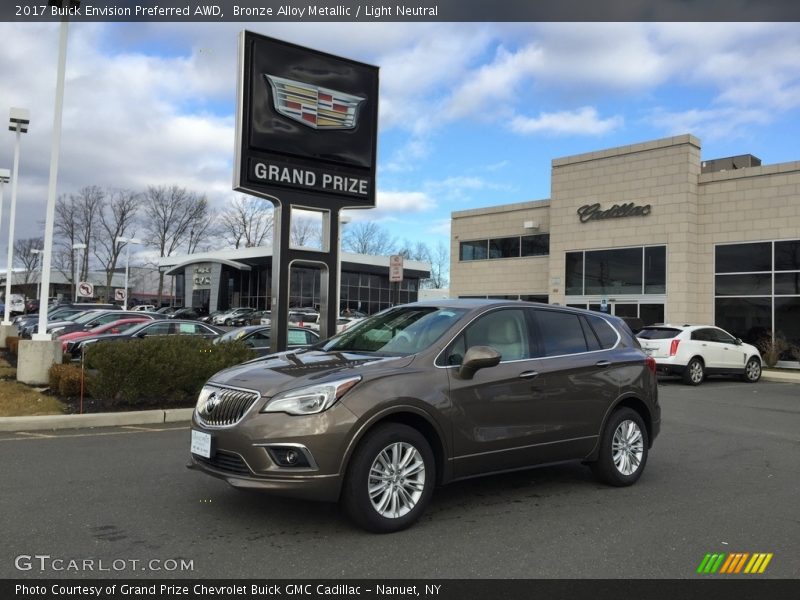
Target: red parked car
114, 327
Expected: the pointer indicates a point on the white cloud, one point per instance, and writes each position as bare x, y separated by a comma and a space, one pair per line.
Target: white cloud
583, 121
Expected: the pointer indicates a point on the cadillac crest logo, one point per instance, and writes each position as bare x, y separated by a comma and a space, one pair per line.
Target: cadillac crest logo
314, 106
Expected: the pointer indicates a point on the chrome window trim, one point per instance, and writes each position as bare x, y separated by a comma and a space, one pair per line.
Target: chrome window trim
502, 362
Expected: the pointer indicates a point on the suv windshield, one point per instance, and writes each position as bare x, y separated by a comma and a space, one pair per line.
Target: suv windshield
401, 330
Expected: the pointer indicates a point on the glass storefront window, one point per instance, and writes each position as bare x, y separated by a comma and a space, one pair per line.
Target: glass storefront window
535, 245
477, 250
574, 274
507, 247
787, 319
743, 258
751, 284
787, 283
655, 270
614, 271
787, 255
747, 318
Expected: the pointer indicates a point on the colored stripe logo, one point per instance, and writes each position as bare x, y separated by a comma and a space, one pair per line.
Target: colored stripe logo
734, 563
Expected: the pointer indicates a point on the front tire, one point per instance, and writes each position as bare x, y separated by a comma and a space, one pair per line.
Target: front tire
623, 449
390, 479
695, 372
752, 370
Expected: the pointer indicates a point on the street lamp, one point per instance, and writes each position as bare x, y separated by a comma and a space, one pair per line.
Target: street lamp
128, 241
76, 275
19, 118
39, 291
55, 146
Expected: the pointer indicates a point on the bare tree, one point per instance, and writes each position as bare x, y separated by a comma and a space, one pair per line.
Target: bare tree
30, 261
306, 232
116, 219
66, 236
367, 237
247, 222
170, 216
88, 203
438, 258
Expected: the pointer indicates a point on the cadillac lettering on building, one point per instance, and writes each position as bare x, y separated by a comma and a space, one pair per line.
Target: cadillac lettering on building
309, 179
595, 212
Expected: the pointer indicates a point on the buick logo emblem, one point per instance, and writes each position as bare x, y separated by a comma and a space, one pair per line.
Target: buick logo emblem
314, 106
211, 403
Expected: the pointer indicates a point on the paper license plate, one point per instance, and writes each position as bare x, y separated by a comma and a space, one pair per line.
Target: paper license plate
201, 444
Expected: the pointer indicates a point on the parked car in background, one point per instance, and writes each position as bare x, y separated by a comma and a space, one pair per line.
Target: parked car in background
226, 318
92, 319
118, 326
144, 307
257, 337
187, 313
16, 303
695, 351
253, 318
428, 393
65, 318
143, 330
166, 310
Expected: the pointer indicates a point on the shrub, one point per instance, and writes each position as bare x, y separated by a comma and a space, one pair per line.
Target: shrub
773, 349
163, 371
65, 380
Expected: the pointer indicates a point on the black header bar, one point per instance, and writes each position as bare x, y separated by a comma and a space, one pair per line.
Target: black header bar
258, 11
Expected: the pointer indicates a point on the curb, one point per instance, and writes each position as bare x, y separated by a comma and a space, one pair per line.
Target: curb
780, 376
142, 417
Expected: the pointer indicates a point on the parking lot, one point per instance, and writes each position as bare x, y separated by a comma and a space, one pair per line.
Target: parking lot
722, 477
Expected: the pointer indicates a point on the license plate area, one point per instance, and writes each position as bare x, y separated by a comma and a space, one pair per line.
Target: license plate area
201, 444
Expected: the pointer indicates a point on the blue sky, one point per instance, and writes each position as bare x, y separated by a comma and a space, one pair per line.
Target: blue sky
471, 114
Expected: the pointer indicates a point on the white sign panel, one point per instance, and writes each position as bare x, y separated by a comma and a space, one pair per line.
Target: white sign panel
119, 294
85, 289
395, 268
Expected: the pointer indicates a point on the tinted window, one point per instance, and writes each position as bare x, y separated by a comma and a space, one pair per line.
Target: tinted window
536, 245
717, 335
574, 273
787, 256
504, 247
473, 250
655, 270
746, 318
658, 333
606, 333
561, 333
787, 283
743, 285
591, 338
702, 335
614, 271
742, 258
158, 329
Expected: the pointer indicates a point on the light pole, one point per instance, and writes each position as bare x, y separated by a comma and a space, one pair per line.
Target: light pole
19, 118
41, 334
77, 274
128, 242
39, 291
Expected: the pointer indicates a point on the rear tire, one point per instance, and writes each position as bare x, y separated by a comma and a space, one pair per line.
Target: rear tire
390, 479
694, 372
752, 370
624, 447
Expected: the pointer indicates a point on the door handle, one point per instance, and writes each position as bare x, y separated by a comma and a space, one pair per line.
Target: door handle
603, 363
528, 374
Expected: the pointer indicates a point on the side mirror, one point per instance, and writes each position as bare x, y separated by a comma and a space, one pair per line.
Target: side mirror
478, 357
737, 341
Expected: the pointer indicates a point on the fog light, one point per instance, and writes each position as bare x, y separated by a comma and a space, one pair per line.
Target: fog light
288, 457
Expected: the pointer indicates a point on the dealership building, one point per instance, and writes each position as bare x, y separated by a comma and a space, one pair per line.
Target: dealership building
243, 277
649, 230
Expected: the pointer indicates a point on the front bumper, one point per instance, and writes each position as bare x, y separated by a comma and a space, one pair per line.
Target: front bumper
241, 453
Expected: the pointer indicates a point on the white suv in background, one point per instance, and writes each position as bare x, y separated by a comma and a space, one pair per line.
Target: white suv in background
694, 351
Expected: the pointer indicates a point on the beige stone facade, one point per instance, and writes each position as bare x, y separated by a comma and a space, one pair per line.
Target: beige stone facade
687, 211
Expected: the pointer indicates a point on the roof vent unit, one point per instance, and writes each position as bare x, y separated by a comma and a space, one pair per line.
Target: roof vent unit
730, 163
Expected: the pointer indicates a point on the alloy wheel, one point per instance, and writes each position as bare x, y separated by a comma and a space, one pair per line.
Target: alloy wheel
396, 480
627, 447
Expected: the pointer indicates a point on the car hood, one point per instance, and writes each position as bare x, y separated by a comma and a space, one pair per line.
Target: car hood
295, 369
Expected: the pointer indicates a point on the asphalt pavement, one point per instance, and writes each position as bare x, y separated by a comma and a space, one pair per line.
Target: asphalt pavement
722, 477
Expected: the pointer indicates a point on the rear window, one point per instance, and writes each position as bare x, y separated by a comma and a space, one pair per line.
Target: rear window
658, 333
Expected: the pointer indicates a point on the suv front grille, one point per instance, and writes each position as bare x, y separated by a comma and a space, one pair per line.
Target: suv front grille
226, 407
226, 461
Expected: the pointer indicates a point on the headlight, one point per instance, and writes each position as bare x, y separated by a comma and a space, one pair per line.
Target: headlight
205, 392
312, 399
